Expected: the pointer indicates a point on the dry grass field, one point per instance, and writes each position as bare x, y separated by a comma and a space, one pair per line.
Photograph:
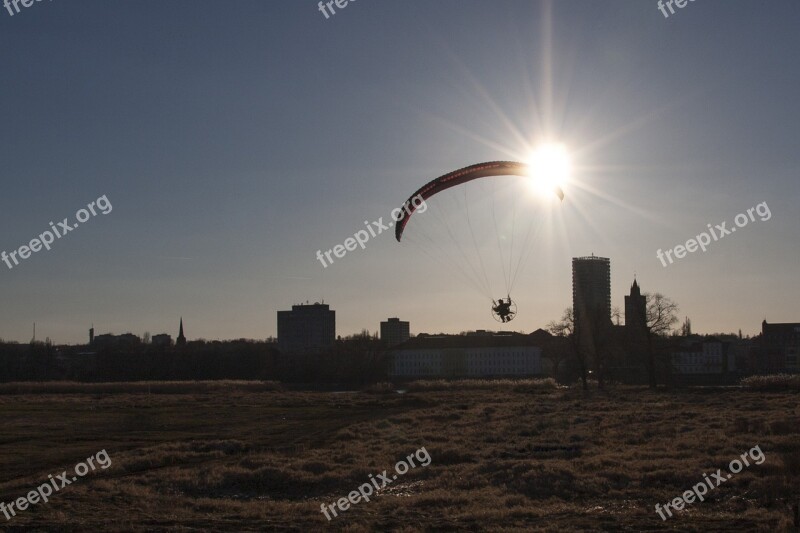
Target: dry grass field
505, 457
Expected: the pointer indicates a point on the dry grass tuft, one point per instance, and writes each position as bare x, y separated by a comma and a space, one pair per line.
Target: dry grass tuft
774, 382
137, 387
381, 388
516, 385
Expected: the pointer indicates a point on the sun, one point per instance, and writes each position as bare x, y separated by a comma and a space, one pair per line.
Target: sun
550, 168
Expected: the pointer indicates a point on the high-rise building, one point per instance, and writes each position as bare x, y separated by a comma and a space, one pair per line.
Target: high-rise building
591, 287
591, 298
394, 331
306, 328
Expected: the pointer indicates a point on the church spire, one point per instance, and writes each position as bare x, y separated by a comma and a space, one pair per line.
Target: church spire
181, 338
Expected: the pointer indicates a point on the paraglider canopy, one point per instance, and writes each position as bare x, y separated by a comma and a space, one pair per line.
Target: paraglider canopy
464, 175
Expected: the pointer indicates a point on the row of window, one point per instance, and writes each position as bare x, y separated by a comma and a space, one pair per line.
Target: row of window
696, 358
698, 370
430, 355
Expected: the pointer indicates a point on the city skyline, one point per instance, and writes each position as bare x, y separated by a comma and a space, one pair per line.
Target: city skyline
583, 277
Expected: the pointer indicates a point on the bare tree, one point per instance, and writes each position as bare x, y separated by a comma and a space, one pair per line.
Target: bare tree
616, 314
660, 314
686, 327
565, 327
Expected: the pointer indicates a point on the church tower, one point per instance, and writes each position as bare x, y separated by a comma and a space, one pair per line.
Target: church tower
181, 341
635, 314
635, 311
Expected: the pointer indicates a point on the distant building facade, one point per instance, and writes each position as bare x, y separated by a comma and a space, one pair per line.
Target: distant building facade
706, 356
306, 328
473, 356
779, 347
395, 331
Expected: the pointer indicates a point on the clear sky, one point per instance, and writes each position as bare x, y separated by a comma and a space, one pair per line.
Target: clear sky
235, 139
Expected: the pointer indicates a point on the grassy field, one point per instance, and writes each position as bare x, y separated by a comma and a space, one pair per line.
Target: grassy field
505, 457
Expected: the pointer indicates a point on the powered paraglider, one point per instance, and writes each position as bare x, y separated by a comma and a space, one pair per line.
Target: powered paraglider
503, 310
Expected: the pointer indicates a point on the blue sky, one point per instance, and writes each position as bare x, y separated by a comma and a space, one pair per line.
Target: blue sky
235, 140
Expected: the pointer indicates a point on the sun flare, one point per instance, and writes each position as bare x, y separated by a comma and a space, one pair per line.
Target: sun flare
550, 168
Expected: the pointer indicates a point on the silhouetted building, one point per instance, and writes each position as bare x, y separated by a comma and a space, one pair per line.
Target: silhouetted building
635, 326
91, 334
591, 287
635, 311
306, 328
458, 356
780, 346
162, 340
181, 341
591, 300
394, 332
126, 340
632, 338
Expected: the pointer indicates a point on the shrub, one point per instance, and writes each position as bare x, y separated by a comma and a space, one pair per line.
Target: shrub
381, 388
